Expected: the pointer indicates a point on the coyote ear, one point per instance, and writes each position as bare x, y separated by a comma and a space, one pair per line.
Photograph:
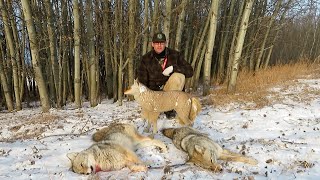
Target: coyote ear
72, 155
199, 149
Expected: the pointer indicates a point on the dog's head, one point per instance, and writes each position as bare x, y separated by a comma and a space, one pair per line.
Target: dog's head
205, 158
136, 88
82, 162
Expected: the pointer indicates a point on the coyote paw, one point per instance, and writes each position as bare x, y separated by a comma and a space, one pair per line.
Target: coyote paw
138, 168
217, 168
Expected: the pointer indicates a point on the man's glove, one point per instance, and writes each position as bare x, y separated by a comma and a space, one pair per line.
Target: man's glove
168, 71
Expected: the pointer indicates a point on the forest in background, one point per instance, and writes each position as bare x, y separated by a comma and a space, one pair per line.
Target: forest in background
60, 51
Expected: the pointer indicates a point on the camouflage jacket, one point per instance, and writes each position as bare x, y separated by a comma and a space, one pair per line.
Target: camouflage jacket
150, 74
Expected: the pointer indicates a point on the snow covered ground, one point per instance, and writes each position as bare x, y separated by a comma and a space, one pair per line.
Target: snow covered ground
283, 137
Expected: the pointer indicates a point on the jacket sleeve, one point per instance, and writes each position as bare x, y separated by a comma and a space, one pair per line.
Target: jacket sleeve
142, 74
183, 67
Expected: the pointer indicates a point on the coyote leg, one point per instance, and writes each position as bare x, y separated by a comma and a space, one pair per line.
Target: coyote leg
137, 167
133, 162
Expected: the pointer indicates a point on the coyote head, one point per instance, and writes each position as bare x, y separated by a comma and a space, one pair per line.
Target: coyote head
136, 88
82, 162
168, 132
205, 158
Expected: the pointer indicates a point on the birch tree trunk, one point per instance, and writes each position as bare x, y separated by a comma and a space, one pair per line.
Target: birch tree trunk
181, 19
109, 64
167, 20
155, 18
77, 78
53, 51
265, 38
35, 57
12, 53
4, 84
224, 43
92, 56
145, 25
131, 40
210, 44
119, 26
239, 46
233, 41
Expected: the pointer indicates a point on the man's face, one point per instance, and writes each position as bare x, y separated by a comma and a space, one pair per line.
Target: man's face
158, 46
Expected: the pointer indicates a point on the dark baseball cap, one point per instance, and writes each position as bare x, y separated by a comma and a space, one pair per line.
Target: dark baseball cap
159, 37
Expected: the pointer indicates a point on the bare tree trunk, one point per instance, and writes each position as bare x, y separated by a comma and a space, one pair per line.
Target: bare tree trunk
154, 23
108, 59
92, 56
119, 30
167, 20
197, 51
35, 56
182, 16
53, 50
224, 41
18, 49
210, 44
4, 84
12, 51
265, 38
233, 42
239, 46
77, 78
145, 25
131, 43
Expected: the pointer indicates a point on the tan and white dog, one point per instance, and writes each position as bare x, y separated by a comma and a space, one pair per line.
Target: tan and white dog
154, 102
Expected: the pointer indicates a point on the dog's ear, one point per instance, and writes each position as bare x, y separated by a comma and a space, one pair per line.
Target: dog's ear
72, 156
136, 81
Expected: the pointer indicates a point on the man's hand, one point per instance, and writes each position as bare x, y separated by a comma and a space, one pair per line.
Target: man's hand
168, 71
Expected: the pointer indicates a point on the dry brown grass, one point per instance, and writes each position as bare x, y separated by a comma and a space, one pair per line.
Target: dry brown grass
252, 89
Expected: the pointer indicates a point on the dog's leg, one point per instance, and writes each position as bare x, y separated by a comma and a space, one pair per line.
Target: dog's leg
145, 116
153, 119
183, 116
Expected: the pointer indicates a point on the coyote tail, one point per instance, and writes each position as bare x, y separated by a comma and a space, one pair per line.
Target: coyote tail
195, 108
231, 156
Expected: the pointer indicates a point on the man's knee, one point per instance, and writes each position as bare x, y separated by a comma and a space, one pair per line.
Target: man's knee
175, 82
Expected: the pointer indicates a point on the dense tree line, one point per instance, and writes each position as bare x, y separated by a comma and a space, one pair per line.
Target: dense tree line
59, 51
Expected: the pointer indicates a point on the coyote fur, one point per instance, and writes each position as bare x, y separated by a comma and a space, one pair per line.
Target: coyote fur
202, 150
154, 102
114, 150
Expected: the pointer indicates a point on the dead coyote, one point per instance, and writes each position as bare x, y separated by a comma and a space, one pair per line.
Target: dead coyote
203, 151
114, 150
154, 102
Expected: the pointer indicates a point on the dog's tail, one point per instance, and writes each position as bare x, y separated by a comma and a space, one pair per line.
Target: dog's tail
195, 108
231, 156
